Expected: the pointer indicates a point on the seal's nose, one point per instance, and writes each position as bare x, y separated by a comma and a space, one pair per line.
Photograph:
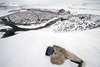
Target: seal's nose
49, 51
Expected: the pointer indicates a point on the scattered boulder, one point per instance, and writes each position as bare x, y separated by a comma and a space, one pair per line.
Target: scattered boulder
82, 17
68, 12
62, 19
8, 33
61, 11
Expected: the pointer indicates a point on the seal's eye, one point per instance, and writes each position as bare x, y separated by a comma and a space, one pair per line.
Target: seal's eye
55, 53
60, 50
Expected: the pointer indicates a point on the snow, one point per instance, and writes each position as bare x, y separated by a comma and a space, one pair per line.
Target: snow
28, 49
79, 6
8, 8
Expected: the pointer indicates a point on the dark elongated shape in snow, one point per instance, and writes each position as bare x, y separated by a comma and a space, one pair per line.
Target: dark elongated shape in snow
16, 28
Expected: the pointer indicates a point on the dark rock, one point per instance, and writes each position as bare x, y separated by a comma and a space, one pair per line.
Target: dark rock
62, 19
82, 17
68, 12
61, 10
8, 33
49, 51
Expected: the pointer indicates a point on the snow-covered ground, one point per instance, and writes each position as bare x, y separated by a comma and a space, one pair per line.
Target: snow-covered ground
8, 8
28, 49
79, 6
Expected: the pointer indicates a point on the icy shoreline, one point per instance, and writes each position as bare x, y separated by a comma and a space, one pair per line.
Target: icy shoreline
67, 22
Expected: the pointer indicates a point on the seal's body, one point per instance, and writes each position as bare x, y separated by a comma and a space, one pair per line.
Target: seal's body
60, 55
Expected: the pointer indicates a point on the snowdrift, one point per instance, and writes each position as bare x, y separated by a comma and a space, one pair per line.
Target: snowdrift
28, 49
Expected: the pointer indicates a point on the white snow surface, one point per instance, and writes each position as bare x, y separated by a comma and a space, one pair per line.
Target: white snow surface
28, 49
